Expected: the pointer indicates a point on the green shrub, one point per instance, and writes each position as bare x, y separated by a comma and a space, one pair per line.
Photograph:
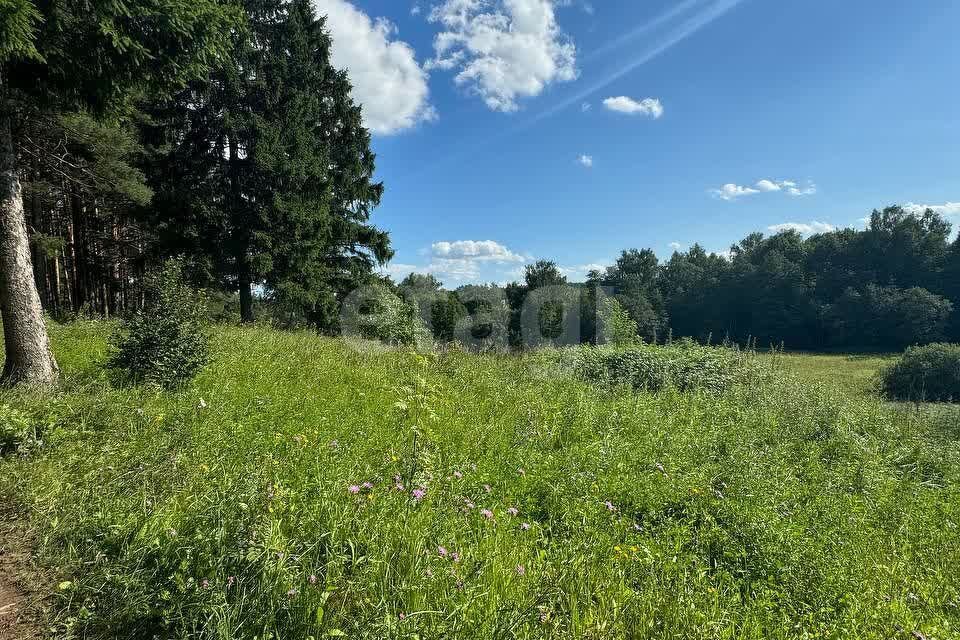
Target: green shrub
651, 367
16, 430
166, 343
384, 316
929, 373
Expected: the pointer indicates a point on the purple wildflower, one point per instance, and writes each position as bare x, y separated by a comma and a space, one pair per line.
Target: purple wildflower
455, 556
353, 489
486, 513
419, 493
442, 551
368, 485
609, 506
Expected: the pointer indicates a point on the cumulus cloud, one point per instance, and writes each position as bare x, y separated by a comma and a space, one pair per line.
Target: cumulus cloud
386, 78
804, 228
732, 191
646, 107
477, 250
676, 246
503, 50
463, 261
585, 160
945, 209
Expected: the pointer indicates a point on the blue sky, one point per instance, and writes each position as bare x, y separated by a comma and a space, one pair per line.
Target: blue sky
513, 130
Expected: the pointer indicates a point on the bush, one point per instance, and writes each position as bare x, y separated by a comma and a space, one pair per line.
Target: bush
685, 366
16, 430
165, 343
379, 314
930, 373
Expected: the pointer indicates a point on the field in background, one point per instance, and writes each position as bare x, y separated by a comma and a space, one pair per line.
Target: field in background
305, 487
854, 373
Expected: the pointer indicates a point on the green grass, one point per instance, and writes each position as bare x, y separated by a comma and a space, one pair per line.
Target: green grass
788, 509
856, 374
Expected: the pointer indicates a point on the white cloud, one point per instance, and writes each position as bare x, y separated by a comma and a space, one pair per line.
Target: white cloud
474, 250
578, 273
676, 246
945, 209
464, 261
386, 78
586, 161
647, 107
416, 9
803, 227
504, 50
586, 106
732, 191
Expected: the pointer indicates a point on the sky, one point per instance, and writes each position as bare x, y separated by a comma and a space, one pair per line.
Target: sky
508, 131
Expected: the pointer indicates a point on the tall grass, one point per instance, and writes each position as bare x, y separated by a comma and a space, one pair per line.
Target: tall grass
506, 502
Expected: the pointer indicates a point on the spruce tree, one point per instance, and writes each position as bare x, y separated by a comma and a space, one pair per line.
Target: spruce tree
69, 55
275, 168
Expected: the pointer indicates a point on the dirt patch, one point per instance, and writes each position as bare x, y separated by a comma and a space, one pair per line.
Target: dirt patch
20, 602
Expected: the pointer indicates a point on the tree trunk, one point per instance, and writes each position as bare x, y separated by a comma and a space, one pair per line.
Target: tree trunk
246, 291
243, 259
28, 356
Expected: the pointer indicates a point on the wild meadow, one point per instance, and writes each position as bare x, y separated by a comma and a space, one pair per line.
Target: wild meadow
305, 487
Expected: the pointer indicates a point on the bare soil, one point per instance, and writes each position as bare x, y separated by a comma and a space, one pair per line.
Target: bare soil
20, 602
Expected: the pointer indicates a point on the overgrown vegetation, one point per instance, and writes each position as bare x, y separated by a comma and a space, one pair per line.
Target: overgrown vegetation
165, 343
925, 374
300, 488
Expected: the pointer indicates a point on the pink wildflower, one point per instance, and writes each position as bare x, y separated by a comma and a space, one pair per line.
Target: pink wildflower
457, 475
525, 526
609, 506
354, 489
455, 557
513, 511
419, 493
521, 571
442, 551
205, 584
486, 513
402, 616
368, 485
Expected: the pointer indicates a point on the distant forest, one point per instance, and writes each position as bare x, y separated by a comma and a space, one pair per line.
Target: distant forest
892, 285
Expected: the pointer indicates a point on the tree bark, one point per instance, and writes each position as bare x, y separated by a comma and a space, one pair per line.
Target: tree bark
244, 279
28, 356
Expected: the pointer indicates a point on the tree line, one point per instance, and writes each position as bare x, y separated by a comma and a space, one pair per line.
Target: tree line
216, 131
894, 284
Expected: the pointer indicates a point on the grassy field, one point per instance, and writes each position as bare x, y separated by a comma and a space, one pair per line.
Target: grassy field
856, 374
307, 488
